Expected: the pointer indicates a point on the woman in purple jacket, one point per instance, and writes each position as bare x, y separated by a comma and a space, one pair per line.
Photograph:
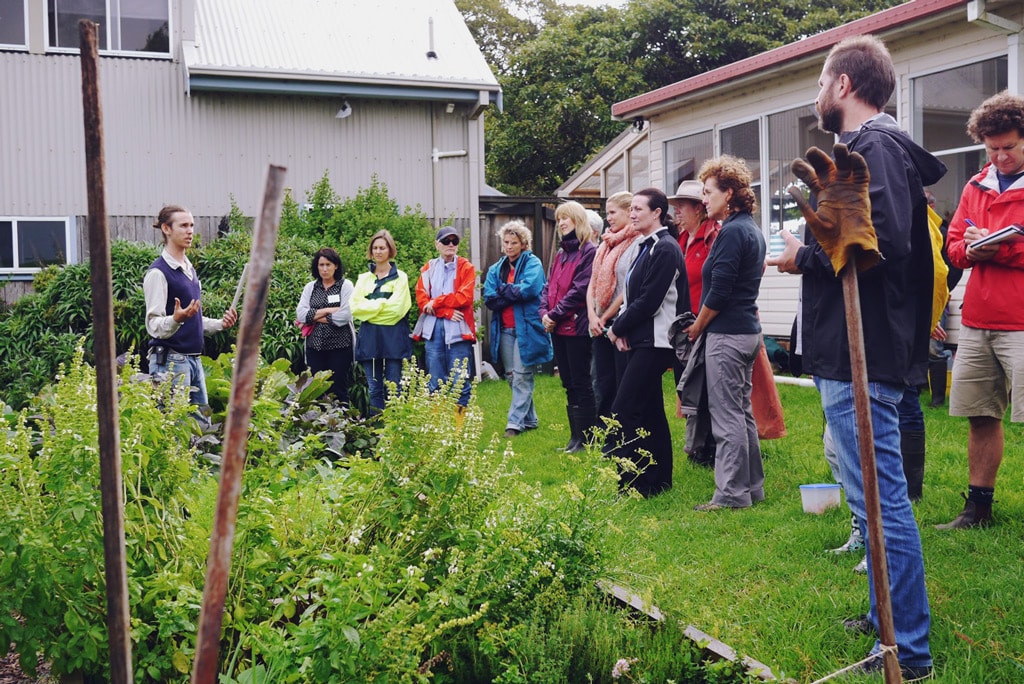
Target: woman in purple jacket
563, 311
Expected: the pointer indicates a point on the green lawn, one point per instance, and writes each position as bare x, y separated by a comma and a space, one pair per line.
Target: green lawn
761, 580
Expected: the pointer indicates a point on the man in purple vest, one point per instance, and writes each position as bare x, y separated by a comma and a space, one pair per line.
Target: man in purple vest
176, 330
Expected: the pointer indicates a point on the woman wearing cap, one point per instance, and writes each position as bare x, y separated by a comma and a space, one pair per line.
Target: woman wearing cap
563, 305
512, 292
324, 304
728, 320
696, 234
604, 298
381, 304
444, 293
655, 293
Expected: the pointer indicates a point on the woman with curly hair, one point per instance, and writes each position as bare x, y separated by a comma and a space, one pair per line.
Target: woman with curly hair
731, 279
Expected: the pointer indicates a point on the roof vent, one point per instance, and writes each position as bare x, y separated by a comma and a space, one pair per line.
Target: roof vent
430, 31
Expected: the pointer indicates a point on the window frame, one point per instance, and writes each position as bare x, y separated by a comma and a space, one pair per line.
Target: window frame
25, 29
18, 272
108, 35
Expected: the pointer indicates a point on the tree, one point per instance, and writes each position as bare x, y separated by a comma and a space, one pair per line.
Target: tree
561, 77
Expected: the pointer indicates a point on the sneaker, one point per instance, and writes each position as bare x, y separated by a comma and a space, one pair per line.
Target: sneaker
709, 506
860, 625
910, 673
862, 567
511, 432
971, 516
853, 544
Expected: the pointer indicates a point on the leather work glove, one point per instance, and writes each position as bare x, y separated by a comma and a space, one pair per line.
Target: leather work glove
842, 222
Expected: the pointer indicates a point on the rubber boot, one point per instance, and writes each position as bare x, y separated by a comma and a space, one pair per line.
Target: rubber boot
912, 449
584, 419
855, 542
937, 381
974, 514
575, 432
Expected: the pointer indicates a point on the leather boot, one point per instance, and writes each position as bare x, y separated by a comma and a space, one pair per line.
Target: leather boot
974, 514
575, 432
937, 381
912, 449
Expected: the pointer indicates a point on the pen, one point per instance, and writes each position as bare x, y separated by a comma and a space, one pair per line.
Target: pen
971, 223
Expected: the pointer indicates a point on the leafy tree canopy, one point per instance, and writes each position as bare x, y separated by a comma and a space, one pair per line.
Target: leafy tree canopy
561, 69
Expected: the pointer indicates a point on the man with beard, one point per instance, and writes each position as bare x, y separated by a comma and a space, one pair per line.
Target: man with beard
856, 82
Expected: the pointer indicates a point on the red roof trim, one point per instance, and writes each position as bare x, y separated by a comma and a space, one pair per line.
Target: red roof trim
900, 15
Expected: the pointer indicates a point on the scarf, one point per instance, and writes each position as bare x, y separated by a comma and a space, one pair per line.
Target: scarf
613, 244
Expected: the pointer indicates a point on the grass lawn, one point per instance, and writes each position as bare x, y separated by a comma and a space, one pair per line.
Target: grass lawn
761, 580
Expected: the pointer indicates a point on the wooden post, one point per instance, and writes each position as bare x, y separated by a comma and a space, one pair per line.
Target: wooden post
236, 428
869, 471
106, 368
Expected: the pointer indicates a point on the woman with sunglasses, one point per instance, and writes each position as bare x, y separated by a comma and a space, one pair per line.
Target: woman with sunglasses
563, 311
444, 293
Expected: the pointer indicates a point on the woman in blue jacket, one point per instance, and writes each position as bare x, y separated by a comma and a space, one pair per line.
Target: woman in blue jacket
512, 293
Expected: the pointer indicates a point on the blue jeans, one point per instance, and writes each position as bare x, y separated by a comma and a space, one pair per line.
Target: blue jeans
184, 369
521, 414
441, 363
377, 372
909, 410
911, 617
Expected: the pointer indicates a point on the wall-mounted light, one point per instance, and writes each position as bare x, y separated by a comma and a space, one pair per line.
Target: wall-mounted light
345, 111
638, 124
449, 108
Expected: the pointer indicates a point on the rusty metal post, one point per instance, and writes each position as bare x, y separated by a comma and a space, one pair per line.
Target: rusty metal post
104, 350
869, 471
236, 428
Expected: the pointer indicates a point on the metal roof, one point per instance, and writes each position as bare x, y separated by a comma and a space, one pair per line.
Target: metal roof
888, 20
379, 45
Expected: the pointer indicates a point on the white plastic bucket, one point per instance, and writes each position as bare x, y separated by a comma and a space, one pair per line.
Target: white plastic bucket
818, 498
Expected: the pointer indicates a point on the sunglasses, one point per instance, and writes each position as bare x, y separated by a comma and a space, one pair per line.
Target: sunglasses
450, 240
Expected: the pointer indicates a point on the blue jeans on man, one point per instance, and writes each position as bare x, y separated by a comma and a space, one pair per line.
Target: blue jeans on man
909, 597
522, 414
445, 360
185, 370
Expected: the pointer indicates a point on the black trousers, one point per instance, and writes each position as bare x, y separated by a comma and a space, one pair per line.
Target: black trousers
609, 366
572, 354
339, 362
639, 403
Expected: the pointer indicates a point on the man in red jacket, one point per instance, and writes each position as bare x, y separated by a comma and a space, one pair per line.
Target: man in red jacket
989, 364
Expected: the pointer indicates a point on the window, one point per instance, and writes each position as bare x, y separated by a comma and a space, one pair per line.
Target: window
615, 177
744, 141
12, 22
30, 244
639, 166
683, 157
125, 25
942, 103
790, 133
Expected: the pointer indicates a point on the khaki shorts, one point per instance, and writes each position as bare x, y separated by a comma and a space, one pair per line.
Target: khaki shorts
988, 368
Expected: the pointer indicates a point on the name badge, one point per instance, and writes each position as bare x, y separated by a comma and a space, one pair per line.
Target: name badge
334, 299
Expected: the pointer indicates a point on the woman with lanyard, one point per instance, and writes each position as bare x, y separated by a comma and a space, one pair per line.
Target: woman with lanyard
380, 303
324, 305
656, 292
604, 299
512, 293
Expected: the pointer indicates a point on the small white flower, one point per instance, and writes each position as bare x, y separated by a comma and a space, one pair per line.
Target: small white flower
621, 667
430, 554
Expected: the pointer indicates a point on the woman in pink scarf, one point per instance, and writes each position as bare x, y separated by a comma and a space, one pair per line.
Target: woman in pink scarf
604, 297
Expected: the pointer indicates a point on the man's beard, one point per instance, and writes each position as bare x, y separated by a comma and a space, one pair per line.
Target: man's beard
830, 119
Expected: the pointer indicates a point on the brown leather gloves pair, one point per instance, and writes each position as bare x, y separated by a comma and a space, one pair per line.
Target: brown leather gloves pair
842, 223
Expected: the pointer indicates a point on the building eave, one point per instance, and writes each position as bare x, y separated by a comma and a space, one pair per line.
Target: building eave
794, 54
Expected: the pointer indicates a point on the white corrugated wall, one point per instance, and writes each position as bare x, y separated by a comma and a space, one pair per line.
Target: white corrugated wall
162, 146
